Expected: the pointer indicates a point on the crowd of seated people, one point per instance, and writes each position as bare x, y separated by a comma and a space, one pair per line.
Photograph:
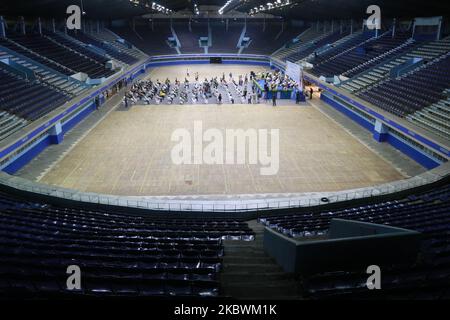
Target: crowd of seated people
194, 92
118, 253
424, 211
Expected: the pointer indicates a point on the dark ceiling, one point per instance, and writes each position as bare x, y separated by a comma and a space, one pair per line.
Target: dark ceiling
302, 9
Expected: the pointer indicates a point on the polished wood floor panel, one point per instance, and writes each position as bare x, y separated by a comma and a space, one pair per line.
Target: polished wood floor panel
129, 152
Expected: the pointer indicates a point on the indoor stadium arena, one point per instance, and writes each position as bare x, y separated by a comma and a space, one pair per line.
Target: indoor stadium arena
213, 150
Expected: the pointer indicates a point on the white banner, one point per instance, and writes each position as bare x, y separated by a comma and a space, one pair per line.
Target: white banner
294, 71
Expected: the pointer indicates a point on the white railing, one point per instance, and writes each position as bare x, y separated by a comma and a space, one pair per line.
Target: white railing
239, 203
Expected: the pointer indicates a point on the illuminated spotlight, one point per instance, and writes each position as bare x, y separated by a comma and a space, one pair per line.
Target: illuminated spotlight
196, 10
270, 6
150, 6
160, 8
230, 4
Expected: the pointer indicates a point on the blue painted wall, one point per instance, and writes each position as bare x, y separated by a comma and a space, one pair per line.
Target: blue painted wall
26, 157
76, 119
352, 115
183, 62
423, 159
411, 152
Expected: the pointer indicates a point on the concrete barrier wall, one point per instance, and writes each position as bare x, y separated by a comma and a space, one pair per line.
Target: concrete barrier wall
372, 244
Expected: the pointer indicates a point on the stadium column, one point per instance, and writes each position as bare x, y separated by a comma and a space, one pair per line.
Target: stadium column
56, 134
380, 131
39, 26
2, 27
21, 25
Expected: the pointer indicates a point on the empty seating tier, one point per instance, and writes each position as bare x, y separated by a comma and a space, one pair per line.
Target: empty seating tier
414, 91
152, 41
297, 44
63, 55
328, 39
223, 39
189, 39
266, 39
349, 42
25, 99
113, 40
362, 57
119, 254
105, 46
429, 277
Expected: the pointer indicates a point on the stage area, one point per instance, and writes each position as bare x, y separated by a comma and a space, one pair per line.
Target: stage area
129, 153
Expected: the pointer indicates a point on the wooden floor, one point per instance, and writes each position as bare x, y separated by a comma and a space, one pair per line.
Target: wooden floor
129, 152
204, 71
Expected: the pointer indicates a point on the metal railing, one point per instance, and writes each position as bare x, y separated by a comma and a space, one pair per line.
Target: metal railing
208, 204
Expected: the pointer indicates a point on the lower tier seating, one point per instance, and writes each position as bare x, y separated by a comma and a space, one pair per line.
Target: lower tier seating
435, 118
429, 277
119, 254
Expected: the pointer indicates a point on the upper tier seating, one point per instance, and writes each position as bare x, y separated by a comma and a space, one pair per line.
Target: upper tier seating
65, 41
63, 55
110, 50
25, 99
330, 38
152, 42
119, 254
305, 40
413, 91
112, 39
268, 40
350, 42
223, 40
363, 57
427, 51
8, 43
426, 212
47, 76
189, 40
